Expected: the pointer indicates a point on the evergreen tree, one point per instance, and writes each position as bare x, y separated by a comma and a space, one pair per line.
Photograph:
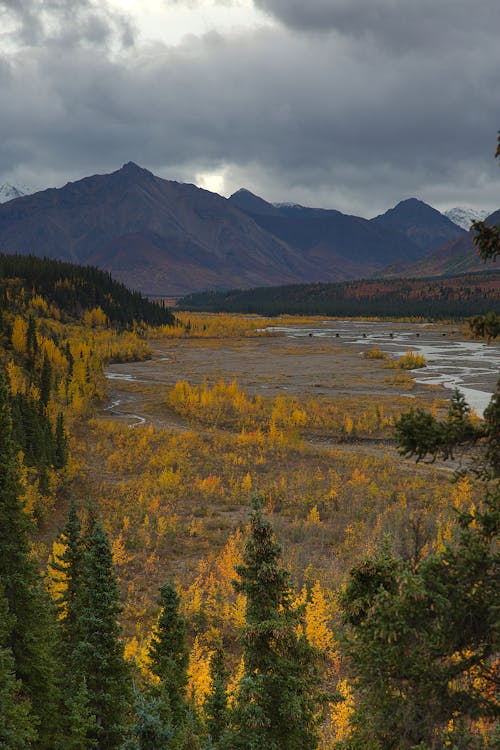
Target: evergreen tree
99, 652
422, 643
277, 700
170, 657
32, 636
17, 727
79, 721
149, 731
216, 708
69, 569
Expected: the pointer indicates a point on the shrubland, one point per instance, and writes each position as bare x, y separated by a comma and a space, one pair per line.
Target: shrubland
378, 563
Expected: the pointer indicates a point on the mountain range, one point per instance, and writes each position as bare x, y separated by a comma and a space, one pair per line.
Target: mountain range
169, 238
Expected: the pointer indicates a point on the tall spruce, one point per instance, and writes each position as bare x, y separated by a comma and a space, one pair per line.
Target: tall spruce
99, 651
170, 657
422, 643
17, 726
79, 723
32, 639
216, 702
276, 707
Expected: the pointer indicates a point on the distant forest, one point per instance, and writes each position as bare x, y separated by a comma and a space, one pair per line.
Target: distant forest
73, 289
442, 298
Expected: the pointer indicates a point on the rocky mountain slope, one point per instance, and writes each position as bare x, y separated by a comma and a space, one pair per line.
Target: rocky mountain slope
153, 234
423, 225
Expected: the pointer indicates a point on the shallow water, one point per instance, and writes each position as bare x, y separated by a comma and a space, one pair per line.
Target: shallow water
471, 366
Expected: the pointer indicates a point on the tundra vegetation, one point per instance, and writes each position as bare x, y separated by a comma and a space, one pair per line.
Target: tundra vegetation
266, 572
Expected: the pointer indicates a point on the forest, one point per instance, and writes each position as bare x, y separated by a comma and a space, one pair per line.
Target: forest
456, 297
245, 570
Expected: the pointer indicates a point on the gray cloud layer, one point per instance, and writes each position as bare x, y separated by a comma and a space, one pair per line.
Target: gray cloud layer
384, 103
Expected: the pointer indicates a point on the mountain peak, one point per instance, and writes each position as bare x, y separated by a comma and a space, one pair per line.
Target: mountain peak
247, 201
132, 168
421, 223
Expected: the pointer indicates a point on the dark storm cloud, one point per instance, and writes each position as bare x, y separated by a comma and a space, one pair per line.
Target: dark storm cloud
398, 23
323, 119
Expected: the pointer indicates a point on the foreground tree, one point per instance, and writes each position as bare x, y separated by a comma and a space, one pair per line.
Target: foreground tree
68, 576
276, 707
17, 726
99, 651
418, 433
422, 643
31, 638
170, 657
216, 703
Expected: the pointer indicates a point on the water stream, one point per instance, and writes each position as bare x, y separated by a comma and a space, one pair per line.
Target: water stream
471, 366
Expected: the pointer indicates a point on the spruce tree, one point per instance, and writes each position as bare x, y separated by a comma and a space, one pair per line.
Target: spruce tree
277, 700
69, 568
99, 652
216, 707
17, 726
32, 636
78, 720
170, 657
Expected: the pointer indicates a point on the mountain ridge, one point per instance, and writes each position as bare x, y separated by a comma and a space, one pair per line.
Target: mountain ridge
170, 238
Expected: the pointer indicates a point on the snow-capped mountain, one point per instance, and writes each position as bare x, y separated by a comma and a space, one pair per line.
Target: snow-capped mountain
465, 216
8, 192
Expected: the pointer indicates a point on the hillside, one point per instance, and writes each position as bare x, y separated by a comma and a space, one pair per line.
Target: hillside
73, 290
152, 234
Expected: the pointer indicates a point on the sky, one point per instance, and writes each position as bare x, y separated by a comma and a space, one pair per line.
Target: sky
346, 104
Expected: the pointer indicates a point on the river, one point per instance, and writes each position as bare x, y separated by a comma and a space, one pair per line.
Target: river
452, 361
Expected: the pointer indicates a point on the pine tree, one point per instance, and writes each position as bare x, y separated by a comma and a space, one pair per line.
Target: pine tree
17, 726
422, 642
170, 657
99, 652
277, 700
216, 707
149, 731
68, 570
32, 637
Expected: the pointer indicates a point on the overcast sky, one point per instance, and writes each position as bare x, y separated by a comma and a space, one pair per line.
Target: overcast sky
348, 104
